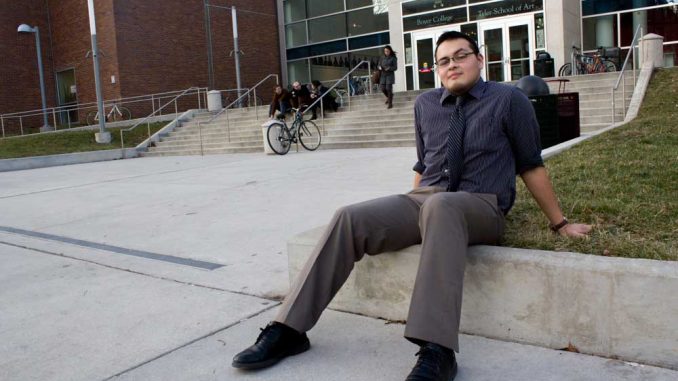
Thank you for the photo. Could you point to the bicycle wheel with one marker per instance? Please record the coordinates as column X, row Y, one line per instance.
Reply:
column 309, row 135
column 279, row 138
column 565, row 70
column 124, row 114
column 92, row 118
column 609, row 66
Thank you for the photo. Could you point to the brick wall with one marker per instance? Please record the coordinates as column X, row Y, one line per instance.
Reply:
column 19, row 78
column 150, row 46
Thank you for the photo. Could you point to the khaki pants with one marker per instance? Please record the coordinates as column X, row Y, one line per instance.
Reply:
column 445, row 223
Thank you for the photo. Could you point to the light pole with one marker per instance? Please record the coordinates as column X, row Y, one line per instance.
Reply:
column 24, row 28
column 103, row 136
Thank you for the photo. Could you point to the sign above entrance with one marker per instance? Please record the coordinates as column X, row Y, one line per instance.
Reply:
column 429, row 20
column 504, row 8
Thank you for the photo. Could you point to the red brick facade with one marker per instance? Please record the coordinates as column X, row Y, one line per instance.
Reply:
column 150, row 46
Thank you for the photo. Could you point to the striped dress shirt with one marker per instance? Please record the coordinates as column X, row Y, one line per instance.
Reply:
column 501, row 139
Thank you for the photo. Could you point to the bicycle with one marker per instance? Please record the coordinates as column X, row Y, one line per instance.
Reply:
column 116, row 114
column 280, row 137
column 588, row 64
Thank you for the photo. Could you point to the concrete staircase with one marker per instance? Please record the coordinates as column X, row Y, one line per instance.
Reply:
column 368, row 123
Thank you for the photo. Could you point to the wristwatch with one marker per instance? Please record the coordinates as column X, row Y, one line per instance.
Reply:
column 559, row 225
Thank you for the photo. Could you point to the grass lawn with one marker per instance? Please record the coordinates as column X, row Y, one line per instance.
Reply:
column 70, row 142
column 624, row 182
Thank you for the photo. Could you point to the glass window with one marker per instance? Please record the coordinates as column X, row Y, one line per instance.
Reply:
column 295, row 34
column 470, row 29
column 419, row 6
column 327, row 48
column 409, row 77
column 350, row 4
column 378, row 39
column 594, row 7
column 327, row 28
column 407, row 39
column 324, row 7
column 329, row 68
column 298, row 71
column 365, row 21
column 599, row 31
column 295, row 10
column 539, row 32
column 371, row 55
column 661, row 21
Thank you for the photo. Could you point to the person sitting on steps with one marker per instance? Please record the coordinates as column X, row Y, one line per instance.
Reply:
column 301, row 97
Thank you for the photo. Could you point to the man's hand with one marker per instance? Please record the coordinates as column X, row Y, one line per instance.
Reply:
column 575, row 230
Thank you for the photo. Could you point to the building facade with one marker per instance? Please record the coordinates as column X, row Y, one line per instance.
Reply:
column 323, row 39
column 146, row 47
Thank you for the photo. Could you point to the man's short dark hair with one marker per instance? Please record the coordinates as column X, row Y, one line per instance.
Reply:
column 454, row 35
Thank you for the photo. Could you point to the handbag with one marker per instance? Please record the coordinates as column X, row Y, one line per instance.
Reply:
column 376, row 76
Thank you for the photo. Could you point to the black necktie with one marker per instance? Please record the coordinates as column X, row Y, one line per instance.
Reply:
column 455, row 145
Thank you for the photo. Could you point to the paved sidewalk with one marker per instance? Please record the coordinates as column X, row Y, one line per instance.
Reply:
column 164, row 268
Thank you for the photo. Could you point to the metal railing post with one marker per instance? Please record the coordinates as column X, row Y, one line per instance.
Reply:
column 613, row 107
column 228, row 125
column 21, row 126
column 68, row 118
column 199, row 105
column 256, row 110
column 348, row 93
column 369, row 77
column 54, row 118
column 153, row 103
column 2, row 123
column 122, row 143
column 322, row 116
column 176, row 108
column 202, row 152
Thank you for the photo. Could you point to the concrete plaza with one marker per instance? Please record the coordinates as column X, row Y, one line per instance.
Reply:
column 164, row 268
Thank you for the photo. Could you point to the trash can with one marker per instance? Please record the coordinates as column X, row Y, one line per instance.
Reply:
column 558, row 117
column 214, row 100
column 544, row 66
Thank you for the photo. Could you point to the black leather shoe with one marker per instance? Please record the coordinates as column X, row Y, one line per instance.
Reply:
column 435, row 363
column 275, row 342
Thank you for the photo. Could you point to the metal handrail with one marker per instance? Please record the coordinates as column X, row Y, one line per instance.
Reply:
column 346, row 76
column 631, row 53
column 253, row 90
column 147, row 119
column 156, row 100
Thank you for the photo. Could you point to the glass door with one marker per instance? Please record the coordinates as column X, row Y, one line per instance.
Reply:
column 424, row 77
column 424, row 44
column 507, row 46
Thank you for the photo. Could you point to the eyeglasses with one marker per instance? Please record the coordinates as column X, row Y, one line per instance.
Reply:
column 458, row 58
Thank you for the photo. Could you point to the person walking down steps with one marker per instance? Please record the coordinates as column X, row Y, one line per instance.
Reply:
column 387, row 65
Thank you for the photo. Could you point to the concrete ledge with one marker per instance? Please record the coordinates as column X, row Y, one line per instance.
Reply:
column 65, row 159
column 611, row 307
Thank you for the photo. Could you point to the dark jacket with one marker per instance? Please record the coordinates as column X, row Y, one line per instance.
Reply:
column 284, row 96
column 300, row 97
column 328, row 100
column 388, row 64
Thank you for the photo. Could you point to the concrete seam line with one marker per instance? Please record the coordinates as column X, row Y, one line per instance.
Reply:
column 115, row 249
column 134, row 271
column 192, row 342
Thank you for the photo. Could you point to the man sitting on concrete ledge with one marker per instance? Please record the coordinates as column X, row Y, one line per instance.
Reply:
column 472, row 138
